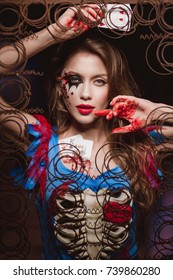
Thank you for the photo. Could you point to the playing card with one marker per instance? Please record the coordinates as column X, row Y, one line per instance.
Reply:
column 76, row 143
column 118, row 16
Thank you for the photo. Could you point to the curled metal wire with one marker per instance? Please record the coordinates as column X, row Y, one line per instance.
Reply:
column 158, row 20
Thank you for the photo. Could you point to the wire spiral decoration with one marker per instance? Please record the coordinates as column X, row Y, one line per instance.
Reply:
column 73, row 212
column 41, row 20
column 10, row 11
column 14, row 234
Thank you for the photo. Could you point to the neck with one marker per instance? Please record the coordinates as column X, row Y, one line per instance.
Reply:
column 94, row 132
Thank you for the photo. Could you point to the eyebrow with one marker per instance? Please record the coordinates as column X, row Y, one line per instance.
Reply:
column 95, row 76
column 100, row 75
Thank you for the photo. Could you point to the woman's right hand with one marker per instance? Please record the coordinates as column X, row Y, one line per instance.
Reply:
column 76, row 20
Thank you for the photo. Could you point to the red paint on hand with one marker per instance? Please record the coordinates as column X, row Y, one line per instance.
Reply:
column 102, row 113
column 125, row 108
column 134, row 126
column 68, row 22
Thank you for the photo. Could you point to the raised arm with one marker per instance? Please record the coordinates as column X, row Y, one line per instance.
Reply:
column 69, row 25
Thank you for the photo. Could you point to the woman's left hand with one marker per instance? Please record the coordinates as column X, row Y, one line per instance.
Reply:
column 135, row 110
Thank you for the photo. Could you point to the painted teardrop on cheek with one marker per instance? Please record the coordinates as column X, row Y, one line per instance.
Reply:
column 74, row 81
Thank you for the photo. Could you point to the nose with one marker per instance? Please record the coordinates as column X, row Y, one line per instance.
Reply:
column 86, row 92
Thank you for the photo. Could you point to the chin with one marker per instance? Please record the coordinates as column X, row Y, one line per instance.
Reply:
column 87, row 120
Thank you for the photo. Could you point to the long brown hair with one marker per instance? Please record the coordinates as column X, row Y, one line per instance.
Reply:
column 132, row 150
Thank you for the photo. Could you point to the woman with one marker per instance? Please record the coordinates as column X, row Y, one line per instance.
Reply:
column 92, row 173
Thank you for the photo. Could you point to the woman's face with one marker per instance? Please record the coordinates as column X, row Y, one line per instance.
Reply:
column 85, row 86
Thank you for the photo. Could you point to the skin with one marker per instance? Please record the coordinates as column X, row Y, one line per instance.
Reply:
column 140, row 113
column 85, row 85
column 73, row 22
column 133, row 109
column 70, row 25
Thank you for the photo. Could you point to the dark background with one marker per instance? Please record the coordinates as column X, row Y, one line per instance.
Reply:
column 19, row 226
column 155, row 82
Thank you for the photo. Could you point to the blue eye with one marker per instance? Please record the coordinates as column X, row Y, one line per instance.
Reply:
column 100, row 82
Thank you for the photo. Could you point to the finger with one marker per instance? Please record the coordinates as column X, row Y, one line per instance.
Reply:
column 122, row 98
column 120, row 110
column 125, row 110
column 85, row 27
column 124, row 129
column 102, row 113
column 99, row 9
column 87, row 16
column 90, row 14
column 68, row 17
column 71, row 23
column 112, row 103
column 70, row 13
column 80, row 27
column 117, row 99
column 134, row 126
column 110, row 115
column 95, row 13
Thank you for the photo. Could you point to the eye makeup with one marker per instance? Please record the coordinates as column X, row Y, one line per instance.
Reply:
column 68, row 80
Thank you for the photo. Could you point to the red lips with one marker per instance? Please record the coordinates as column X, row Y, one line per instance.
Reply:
column 85, row 109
